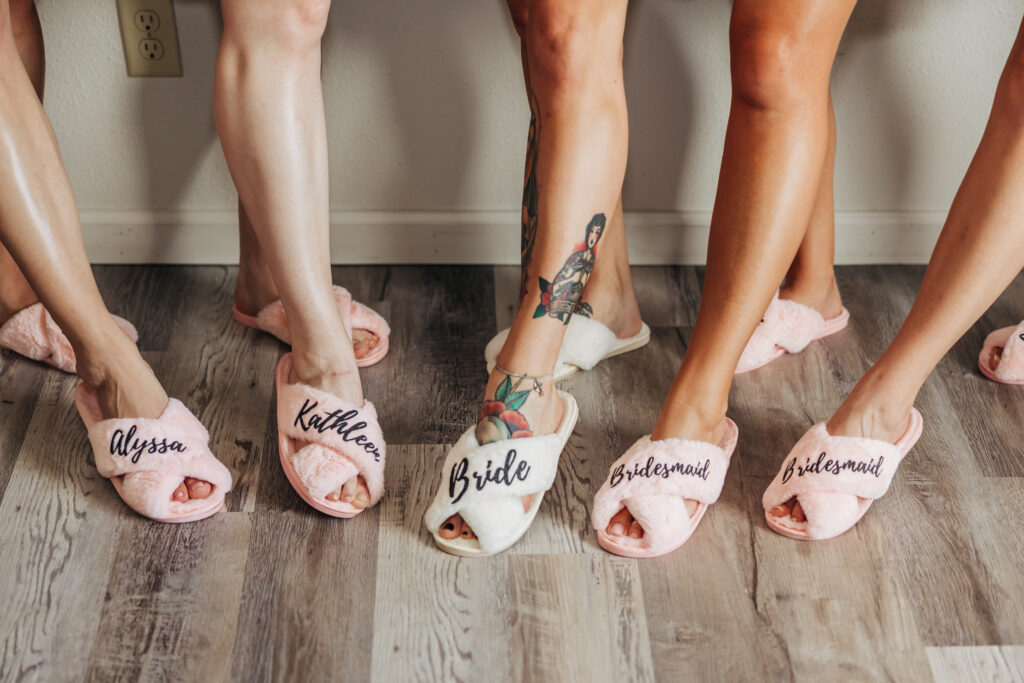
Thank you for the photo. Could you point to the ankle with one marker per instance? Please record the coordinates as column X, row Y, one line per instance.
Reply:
column 254, row 287
column 517, row 406
column 818, row 291
column 875, row 408
column 683, row 420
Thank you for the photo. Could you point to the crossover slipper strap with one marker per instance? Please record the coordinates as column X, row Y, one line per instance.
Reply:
column 786, row 324
column 153, row 456
column 653, row 478
column 484, row 484
column 822, row 463
column 343, row 439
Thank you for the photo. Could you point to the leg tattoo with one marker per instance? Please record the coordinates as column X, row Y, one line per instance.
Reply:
column 560, row 297
column 500, row 419
column 529, row 201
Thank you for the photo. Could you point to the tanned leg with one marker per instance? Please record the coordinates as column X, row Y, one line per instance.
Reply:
column 39, row 225
column 776, row 149
column 811, row 277
column 573, row 64
column 15, row 291
column 980, row 251
column 268, row 105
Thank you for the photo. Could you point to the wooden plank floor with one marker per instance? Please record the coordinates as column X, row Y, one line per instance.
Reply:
column 929, row 586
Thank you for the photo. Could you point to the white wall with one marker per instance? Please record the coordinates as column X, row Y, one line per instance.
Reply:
column 427, row 125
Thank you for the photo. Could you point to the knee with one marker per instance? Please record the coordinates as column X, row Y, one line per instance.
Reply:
column 767, row 70
column 289, row 26
column 566, row 48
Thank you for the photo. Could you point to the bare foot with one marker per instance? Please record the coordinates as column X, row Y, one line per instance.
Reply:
column 612, row 304
column 995, row 356
column 15, row 293
column 508, row 413
column 678, row 423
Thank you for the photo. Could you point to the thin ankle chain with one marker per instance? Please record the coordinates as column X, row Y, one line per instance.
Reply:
column 536, row 379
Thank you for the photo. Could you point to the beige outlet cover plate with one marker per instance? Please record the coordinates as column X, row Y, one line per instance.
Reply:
column 150, row 37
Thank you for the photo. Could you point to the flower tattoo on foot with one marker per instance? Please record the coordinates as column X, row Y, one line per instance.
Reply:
column 500, row 419
column 560, row 297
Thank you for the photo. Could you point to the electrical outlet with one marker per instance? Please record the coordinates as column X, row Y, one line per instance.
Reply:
column 150, row 36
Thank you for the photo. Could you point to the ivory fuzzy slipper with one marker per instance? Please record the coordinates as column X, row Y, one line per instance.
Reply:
column 273, row 320
column 1010, row 343
column 787, row 327
column 586, row 343
column 835, row 479
column 323, row 441
column 32, row 333
column 652, row 480
column 146, row 459
column 485, row 484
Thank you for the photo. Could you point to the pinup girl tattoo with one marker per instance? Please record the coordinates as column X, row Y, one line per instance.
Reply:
column 560, row 297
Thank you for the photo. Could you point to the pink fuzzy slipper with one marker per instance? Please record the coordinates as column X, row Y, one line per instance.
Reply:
column 273, row 320
column 32, row 333
column 146, row 459
column 324, row 441
column 652, row 479
column 787, row 327
column 1010, row 369
column 835, row 479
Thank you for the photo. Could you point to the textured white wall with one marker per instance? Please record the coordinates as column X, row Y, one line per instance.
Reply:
column 426, row 114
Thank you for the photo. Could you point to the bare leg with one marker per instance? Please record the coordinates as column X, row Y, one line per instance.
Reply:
column 573, row 65
column 980, row 251
column 811, row 277
column 776, row 148
column 269, row 110
column 15, row 292
column 39, row 224
column 255, row 287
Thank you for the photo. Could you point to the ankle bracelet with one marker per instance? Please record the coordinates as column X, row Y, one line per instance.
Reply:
column 536, row 379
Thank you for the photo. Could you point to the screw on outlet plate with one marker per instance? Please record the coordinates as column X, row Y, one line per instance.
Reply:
column 152, row 49
column 147, row 21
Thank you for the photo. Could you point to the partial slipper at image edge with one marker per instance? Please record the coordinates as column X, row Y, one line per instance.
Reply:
column 471, row 547
column 996, row 338
column 915, row 427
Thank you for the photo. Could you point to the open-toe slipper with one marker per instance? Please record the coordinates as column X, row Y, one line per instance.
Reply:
column 1010, row 369
column 147, row 459
column 273, row 320
column 835, row 479
column 485, row 485
column 586, row 343
column 324, row 441
column 32, row 333
column 652, row 480
column 787, row 327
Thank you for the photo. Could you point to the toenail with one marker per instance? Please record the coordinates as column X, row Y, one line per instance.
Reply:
column 617, row 529
column 449, row 527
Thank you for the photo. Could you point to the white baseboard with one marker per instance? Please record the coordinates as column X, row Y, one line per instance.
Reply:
column 473, row 237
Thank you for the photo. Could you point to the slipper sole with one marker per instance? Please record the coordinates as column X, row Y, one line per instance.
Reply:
column 832, row 325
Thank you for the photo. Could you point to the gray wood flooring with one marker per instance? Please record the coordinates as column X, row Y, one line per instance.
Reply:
column 929, row 586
